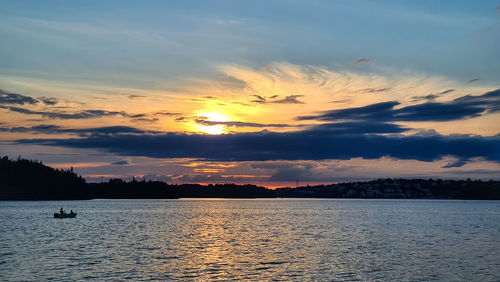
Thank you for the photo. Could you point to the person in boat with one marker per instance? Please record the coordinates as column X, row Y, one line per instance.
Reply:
column 61, row 211
column 71, row 212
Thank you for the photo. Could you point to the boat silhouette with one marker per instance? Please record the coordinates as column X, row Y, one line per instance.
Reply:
column 65, row 215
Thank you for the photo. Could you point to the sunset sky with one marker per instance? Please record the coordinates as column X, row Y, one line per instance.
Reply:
column 262, row 92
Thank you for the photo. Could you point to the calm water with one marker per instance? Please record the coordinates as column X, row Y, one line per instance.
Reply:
column 283, row 239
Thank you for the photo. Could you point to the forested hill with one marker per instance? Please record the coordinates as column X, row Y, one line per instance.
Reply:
column 31, row 180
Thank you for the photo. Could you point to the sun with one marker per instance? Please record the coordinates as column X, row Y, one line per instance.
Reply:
column 212, row 117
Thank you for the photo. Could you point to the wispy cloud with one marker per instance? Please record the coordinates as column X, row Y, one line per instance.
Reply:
column 457, row 163
column 135, row 96
column 85, row 114
column 123, row 162
column 55, row 129
column 14, row 98
column 457, row 109
column 375, row 90
column 50, row 101
column 430, row 97
column 291, row 99
column 362, row 61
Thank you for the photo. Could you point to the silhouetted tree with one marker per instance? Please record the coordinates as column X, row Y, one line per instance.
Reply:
column 31, row 180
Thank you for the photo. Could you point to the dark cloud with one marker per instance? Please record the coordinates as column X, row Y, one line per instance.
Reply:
column 447, row 91
column 292, row 174
column 16, row 99
column 339, row 101
column 182, row 119
column 138, row 116
column 167, row 114
column 361, row 61
column 259, row 99
column 136, row 96
column 288, row 171
column 149, row 120
column 459, row 108
column 310, row 144
column 292, row 99
column 374, row 90
column 473, row 80
column 360, row 127
column 458, row 163
column 49, row 101
column 378, row 111
column 110, row 130
column 54, row 129
column 431, row 97
column 86, row 114
column 124, row 162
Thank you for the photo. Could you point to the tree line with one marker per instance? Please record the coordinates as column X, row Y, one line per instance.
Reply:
column 22, row 179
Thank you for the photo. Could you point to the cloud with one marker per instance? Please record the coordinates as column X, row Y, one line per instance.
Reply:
column 291, row 174
column 311, row 144
column 375, row 90
column 362, row 61
column 360, row 127
column 136, row 96
column 203, row 121
column 292, row 99
column 266, row 68
column 164, row 113
column 472, row 80
column 458, row 163
column 289, row 171
column 425, row 97
column 147, row 120
column 50, row 101
column 54, row 129
column 459, row 108
column 124, row 162
column 260, row 99
column 430, row 97
column 182, row 119
column 17, row 99
column 85, row 114
column 447, row 91
column 137, row 116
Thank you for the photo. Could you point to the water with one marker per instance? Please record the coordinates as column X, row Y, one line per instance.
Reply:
column 280, row 239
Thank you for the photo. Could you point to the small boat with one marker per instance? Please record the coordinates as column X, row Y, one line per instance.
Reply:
column 64, row 215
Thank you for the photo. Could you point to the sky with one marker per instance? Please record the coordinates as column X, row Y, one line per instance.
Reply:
column 260, row 92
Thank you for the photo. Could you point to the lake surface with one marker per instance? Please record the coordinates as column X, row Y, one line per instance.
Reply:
column 254, row 239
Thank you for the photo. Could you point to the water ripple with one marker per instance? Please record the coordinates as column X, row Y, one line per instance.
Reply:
column 275, row 239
